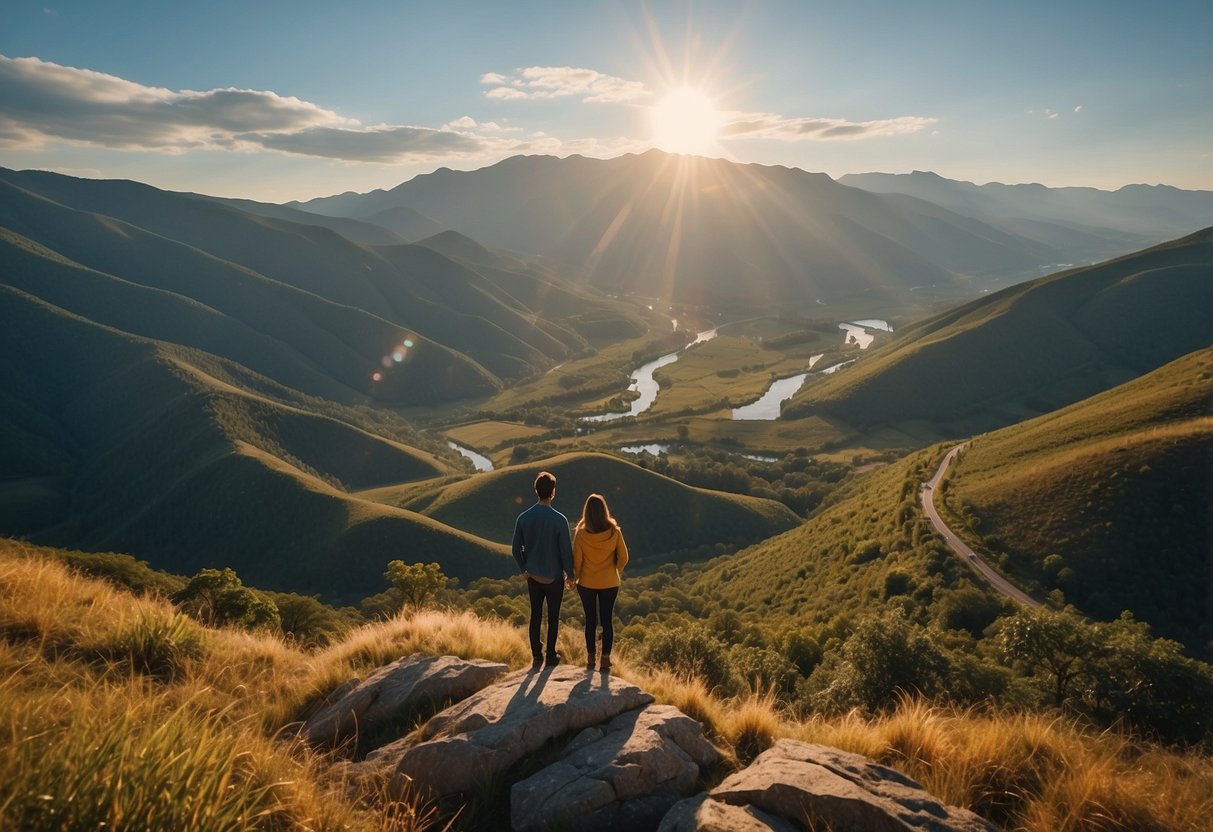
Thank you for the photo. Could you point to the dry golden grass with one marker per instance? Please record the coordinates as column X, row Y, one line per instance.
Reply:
column 86, row 737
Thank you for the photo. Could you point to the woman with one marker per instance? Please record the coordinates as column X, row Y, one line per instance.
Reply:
column 599, row 555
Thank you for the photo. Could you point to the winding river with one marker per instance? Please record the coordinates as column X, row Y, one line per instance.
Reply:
column 482, row 462
column 647, row 386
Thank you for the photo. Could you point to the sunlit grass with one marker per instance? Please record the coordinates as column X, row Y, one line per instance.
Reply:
column 90, row 737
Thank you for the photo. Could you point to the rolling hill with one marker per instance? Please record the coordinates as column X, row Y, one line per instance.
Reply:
column 111, row 441
column 1031, row 348
column 662, row 519
column 868, row 548
column 703, row 230
column 1109, row 499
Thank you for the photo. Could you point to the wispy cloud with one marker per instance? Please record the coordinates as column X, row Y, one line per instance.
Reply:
column 589, row 85
column 772, row 126
column 45, row 101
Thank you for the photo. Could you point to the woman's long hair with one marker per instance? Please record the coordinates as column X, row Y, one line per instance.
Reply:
column 595, row 516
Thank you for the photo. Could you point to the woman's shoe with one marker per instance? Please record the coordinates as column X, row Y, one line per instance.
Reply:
column 591, row 662
column 605, row 667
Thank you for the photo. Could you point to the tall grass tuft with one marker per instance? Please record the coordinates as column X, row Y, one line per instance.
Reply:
column 156, row 645
column 753, row 725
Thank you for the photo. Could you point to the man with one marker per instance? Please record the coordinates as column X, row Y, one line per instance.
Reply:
column 545, row 556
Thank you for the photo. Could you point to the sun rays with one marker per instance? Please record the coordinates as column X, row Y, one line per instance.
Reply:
column 686, row 121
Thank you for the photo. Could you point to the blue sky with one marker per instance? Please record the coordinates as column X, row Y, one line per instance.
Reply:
column 277, row 100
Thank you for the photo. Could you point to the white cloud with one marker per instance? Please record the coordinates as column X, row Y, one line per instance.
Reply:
column 1078, row 109
column 772, row 126
column 537, row 82
column 44, row 101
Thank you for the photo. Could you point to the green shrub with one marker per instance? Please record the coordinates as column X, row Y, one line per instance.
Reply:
column 691, row 651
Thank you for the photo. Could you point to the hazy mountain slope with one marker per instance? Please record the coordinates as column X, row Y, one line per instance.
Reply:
column 1031, row 348
column 707, row 229
column 407, row 224
column 662, row 518
column 290, row 335
column 413, row 288
column 140, row 450
column 1118, row 486
column 1146, row 213
column 357, row 230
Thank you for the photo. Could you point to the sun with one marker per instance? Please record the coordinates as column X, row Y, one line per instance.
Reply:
column 685, row 121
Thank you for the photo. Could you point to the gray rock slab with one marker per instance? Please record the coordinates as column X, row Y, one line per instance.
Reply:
column 702, row 814
column 406, row 683
column 479, row 739
column 622, row 775
column 802, row 782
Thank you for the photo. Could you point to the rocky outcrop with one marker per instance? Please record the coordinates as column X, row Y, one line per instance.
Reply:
column 624, row 775
column 478, row 739
column 378, row 700
column 801, row 783
column 618, row 762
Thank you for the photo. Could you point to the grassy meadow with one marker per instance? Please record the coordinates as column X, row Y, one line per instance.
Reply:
column 123, row 712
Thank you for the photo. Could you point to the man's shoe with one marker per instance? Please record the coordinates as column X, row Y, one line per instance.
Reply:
column 553, row 660
column 537, row 663
column 590, row 662
column 605, row 667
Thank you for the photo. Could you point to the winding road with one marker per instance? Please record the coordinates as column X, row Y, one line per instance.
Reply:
column 957, row 545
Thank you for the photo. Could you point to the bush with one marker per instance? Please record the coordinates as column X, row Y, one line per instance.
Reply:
column 691, row 651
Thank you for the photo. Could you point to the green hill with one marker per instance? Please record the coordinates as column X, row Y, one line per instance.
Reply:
column 115, row 442
column 1031, row 348
column 661, row 518
column 1109, row 499
column 869, row 547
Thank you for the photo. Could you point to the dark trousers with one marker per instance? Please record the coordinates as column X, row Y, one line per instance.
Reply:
column 552, row 593
column 599, row 604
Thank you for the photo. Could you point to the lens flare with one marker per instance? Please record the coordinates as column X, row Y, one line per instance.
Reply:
column 376, row 376
column 408, row 343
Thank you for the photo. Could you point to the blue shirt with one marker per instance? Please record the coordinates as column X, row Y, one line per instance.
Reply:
column 541, row 543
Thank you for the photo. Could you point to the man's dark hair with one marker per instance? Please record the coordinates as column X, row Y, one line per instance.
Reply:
column 545, row 485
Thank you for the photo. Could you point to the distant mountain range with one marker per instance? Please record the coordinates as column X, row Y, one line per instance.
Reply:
column 1142, row 211
column 751, row 236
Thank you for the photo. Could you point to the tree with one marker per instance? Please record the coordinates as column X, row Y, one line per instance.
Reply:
column 417, row 582
column 309, row 619
column 217, row 597
column 885, row 656
column 1149, row 683
column 1058, row 645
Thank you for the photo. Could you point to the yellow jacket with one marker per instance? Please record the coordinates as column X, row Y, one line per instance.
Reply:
column 599, row 557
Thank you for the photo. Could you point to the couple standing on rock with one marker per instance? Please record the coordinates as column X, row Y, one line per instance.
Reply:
column 550, row 563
